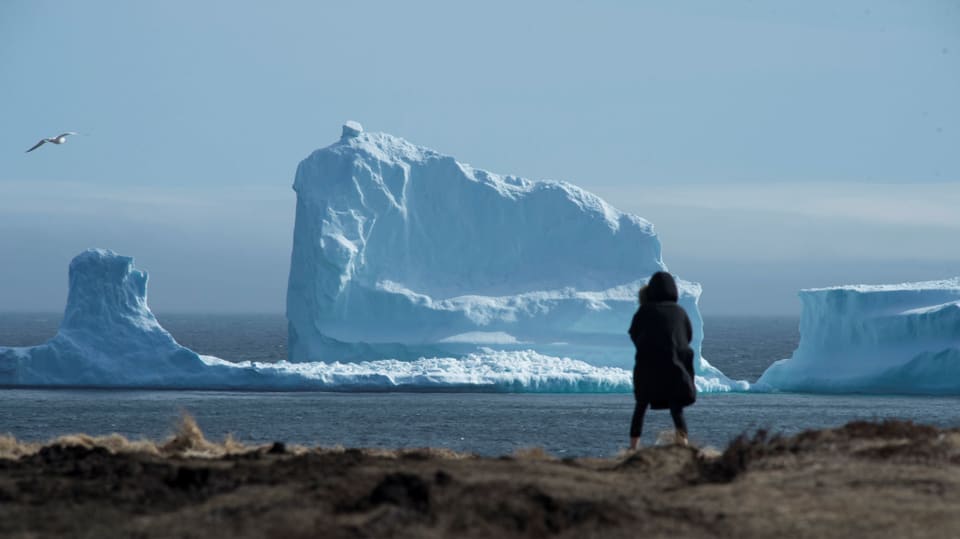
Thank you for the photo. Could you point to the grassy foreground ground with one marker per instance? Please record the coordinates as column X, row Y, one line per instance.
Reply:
column 891, row 479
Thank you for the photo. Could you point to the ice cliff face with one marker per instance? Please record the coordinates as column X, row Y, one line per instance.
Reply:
column 879, row 339
column 402, row 252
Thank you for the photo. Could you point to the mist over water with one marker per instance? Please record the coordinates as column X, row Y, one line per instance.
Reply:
column 741, row 346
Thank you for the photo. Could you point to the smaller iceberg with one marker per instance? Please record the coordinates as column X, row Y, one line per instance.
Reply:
column 110, row 338
column 875, row 339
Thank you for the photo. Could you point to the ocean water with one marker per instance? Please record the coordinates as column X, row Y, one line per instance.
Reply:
column 237, row 337
column 490, row 424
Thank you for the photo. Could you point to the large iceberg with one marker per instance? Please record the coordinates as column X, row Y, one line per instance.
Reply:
column 400, row 252
column 875, row 339
column 110, row 338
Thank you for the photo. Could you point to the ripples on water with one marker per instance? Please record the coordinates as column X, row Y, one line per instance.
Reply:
column 488, row 424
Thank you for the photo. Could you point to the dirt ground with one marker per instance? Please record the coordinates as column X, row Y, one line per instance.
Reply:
column 891, row 479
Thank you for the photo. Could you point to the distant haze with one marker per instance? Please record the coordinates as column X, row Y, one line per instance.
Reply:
column 775, row 146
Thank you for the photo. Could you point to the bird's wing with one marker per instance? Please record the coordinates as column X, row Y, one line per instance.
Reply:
column 67, row 134
column 37, row 145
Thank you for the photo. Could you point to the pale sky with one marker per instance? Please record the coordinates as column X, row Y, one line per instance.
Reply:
column 774, row 145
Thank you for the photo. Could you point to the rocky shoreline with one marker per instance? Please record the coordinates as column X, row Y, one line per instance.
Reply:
column 864, row 479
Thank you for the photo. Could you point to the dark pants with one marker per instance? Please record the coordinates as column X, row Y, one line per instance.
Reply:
column 636, row 425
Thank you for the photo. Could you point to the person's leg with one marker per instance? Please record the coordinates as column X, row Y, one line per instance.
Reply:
column 636, row 424
column 679, row 424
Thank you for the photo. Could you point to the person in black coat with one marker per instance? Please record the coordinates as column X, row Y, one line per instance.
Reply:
column 663, row 373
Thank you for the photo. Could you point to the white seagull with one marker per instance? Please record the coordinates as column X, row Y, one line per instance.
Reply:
column 59, row 139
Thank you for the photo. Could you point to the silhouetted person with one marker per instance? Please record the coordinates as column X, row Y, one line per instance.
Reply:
column 663, row 373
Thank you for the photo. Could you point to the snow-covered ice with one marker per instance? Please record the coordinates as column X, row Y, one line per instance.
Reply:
column 400, row 251
column 875, row 339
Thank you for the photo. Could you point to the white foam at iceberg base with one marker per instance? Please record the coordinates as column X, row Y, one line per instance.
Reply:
column 512, row 371
column 521, row 371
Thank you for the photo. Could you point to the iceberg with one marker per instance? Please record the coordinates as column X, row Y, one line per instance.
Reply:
column 901, row 338
column 401, row 252
column 110, row 338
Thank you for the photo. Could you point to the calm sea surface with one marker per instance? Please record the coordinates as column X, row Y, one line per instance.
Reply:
column 483, row 423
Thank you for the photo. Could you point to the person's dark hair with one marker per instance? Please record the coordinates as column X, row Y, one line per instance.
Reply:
column 661, row 287
column 642, row 295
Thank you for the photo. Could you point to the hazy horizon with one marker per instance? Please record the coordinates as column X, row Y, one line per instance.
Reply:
column 774, row 147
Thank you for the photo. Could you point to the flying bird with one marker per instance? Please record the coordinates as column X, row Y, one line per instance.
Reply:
column 59, row 139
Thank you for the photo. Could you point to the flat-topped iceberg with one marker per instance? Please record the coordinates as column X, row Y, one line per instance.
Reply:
column 400, row 252
column 875, row 339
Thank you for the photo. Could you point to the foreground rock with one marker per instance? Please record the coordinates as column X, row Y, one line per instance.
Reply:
column 866, row 479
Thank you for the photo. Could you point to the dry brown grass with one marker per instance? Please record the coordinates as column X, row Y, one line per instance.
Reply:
column 415, row 453
column 188, row 441
column 533, row 453
column 11, row 448
column 434, row 452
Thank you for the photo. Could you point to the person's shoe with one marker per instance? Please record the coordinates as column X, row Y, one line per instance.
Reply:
column 680, row 438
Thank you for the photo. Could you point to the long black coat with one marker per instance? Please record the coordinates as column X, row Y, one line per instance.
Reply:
column 661, row 332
